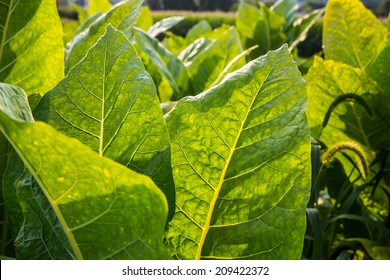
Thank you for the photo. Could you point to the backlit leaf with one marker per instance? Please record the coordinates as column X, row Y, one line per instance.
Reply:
column 327, row 80
column 106, row 210
column 31, row 47
column 122, row 16
column 352, row 33
column 241, row 164
column 109, row 102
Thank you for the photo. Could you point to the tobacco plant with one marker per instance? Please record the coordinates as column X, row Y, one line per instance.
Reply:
column 92, row 169
column 349, row 115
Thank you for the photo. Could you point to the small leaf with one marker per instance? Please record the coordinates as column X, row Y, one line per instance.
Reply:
column 241, row 165
column 167, row 65
column 163, row 25
column 206, row 66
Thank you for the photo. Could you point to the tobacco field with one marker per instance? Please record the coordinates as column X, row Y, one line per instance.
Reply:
column 127, row 141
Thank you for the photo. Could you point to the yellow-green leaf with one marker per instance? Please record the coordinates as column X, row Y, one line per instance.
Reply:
column 351, row 33
column 31, row 47
column 241, row 165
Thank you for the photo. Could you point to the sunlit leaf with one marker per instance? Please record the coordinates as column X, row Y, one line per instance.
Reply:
column 241, row 164
column 106, row 210
column 352, row 33
column 31, row 47
column 122, row 16
column 109, row 102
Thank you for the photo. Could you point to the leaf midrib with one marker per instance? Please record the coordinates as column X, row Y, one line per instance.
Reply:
column 101, row 149
column 3, row 37
column 207, row 226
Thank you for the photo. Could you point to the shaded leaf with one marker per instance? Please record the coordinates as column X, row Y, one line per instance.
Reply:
column 167, row 65
column 33, row 224
column 31, row 47
column 327, row 80
column 106, row 210
column 241, row 164
column 109, row 102
column 208, row 63
column 302, row 27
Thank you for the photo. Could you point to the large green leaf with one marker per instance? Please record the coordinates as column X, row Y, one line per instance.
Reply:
column 33, row 224
column 106, row 210
column 31, row 47
column 206, row 65
column 122, row 16
column 241, row 164
column 166, row 64
column 352, row 33
column 109, row 102
column 327, row 81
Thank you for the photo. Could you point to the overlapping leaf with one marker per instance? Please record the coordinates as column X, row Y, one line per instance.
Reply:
column 352, row 33
column 167, row 65
column 109, row 102
column 122, row 16
column 106, row 210
column 328, row 80
column 263, row 27
column 241, row 164
column 31, row 47
column 35, row 229
column 207, row 64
